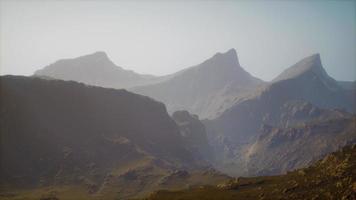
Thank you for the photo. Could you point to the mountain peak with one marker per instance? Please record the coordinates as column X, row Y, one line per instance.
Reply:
column 229, row 55
column 313, row 60
column 97, row 56
column 311, row 63
column 231, row 52
column 310, row 67
column 220, row 60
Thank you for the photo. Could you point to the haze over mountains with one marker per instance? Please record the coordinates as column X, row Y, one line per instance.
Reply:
column 59, row 132
column 300, row 94
column 206, row 89
column 305, row 81
column 220, row 78
column 237, row 104
column 95, row 69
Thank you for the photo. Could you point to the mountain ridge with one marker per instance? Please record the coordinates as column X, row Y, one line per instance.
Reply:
column 204, row 89
column 95, row 69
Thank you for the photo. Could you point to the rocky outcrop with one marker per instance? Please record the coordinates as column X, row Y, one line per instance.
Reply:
column 194, row 134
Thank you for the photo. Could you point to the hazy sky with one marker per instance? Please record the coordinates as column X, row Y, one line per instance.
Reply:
column 160, row 37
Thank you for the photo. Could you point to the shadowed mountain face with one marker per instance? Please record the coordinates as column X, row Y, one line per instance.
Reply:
column 63, row 133
column 95, row 69
column 206, row 89
column 194, row 134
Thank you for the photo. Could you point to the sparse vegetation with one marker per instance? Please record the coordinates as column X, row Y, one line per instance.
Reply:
column 333, row 177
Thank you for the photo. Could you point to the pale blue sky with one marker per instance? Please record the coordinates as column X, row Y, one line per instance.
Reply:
column 161, row 37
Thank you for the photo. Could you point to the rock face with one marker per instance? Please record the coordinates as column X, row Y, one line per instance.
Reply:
column 301, row 93
column 60, row 133
column 206, row 89
column 95, row 69
column 278, row 150
column 194, row 134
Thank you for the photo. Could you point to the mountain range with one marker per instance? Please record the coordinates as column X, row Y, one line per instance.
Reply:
column 95, row 69
column 234, row 105
column 72, row 123
column 206, row 89
column 301, row 93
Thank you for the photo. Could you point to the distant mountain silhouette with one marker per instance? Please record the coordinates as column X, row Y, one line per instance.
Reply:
column 95, row 69
column 206, row 89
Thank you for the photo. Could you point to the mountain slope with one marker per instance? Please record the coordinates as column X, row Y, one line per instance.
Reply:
column 95, row 69
column 279, row 150
column 304, row 81
column 206, row 89
column 303, row 92
column 309, row 80
column 334, row 177
column 112, row 143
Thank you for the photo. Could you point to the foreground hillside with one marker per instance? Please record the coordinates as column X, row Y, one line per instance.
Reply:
column 82, row 141
column 333, row 177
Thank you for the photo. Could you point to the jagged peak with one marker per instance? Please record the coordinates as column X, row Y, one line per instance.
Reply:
column 229, row 55
column 311, row 63
column 99, row 53
column 96, row 55
column 85, row 61
column 224, row 61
